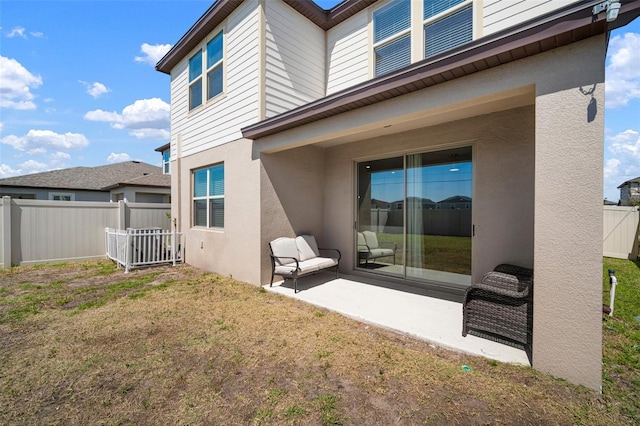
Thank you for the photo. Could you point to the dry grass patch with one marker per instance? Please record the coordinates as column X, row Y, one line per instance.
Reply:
column 173, row 345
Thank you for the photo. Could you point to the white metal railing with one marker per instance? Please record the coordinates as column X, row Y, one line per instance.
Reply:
column 133, row 248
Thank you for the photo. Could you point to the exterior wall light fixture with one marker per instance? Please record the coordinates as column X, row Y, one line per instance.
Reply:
column 612, row 7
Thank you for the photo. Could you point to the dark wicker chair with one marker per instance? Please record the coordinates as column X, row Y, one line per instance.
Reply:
column 500, row 307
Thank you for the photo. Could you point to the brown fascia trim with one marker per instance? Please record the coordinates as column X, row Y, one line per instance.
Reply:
column 327, row 19
column 556, row 29
column 221, row 9
column 163, row 147
column 213, row 17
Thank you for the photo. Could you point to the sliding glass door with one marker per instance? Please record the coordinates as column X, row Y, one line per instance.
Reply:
column 414, row 216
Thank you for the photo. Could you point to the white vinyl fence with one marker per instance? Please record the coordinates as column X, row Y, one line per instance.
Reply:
column 41, row 231
column 133, row 248
column 620, row 232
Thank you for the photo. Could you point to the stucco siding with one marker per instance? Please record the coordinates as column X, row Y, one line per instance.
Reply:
column 294, row 65
column 501, row 14
column 235, row 249
column 220, row 119
column 292, row 198
column 567, row 240
column 348, row 53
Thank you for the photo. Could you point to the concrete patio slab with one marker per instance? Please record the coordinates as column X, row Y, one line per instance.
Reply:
column 404, row 309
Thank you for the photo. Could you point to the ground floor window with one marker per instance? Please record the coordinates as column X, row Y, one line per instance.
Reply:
column 208, row 196
column 62, row 196
column 414, row 216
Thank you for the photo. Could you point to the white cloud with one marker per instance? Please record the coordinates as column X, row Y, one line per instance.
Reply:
column 625, row 161
column 33, row 166
column 7, row 171
column 95, row 89
column 38, row 140
column 623, row 70
column 152, row 53
column 17, row 32
column 145, row 118
column 118, row 158
column 16, row 83
column 57, row 159
column 37, row 34
column 150, row 134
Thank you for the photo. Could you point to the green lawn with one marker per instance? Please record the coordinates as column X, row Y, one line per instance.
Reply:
column 86, row 343
column 621, row 337
column 439, row 252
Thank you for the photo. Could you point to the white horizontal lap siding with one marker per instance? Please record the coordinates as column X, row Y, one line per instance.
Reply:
column 348, row 53
column 501, row 14
column 294, row 59
column 220, row 121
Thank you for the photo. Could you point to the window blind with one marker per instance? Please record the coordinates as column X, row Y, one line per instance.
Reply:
column 393, row 55
column 214, row 51
column 433, row 7
column 195, row 66
column 216, row 180
column 449, row 32
column 391, row 19
column 200, row 183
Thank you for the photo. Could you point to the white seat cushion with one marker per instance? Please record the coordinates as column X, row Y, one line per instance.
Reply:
column 371, row 239
column 285, row 247
column 318, row 263
column 381, row 252
column 307, row 247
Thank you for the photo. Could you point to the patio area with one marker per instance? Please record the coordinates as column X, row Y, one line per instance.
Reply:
column 408, row 310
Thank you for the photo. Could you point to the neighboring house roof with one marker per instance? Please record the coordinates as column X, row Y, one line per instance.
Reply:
column 630, row 181
column 456, row 199
column 152, row 180
column 100, row 178
column 559, row 28
column 163, row 147
column 221, row 9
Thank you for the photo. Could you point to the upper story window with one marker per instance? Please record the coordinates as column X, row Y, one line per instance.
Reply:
column 392, row 36
column 195, row 80
column 447, row 24
column 166, row 157
column 208, row 197
column 214, row 67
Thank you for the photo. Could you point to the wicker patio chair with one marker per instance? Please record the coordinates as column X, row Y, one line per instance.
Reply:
column 500, row 307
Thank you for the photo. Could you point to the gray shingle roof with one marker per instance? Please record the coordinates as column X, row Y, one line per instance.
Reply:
column 99, row 178
column 629, row 181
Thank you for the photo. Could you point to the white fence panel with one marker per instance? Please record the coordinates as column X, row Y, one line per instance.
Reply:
column 42, row 231
column 134, row 248
column 620, row 232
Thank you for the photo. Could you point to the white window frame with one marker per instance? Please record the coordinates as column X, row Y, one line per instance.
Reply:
column 195, row 81
column 207, row 197
column 59, row 196
column 214, row 66
column 442, row 15
column 166, row 162
column 389, row 39
column 205, row 72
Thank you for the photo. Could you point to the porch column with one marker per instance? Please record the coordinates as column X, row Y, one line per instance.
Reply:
column 569, row 131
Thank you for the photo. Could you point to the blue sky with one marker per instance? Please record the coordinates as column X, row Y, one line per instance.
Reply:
column 78, row 85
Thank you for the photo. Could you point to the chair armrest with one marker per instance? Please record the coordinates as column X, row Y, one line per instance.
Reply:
column 274, row 258
column 514, row 270
column 480, row 289
column 389, row 244
column 363, row 248
column 330, row 249
column 502, row 284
